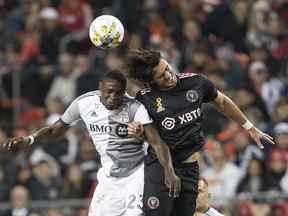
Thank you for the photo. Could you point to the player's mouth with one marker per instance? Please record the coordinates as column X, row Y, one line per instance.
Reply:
column 171, row 82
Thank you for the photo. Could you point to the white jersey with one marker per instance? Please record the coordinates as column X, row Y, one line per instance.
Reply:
column 212, row 212
column 120, row 154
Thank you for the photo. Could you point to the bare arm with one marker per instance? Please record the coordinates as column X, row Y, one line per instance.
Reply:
column 225, row 105
column 163, row 153
column 53, row 131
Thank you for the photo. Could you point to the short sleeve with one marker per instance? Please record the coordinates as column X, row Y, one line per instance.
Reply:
column 142, row 115
column 209, row 90
column 71, row 114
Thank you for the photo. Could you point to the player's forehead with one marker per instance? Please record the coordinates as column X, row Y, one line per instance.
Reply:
column 160, row 68
column 111, row 84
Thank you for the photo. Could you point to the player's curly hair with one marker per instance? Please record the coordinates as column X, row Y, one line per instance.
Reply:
column 117, row 76
column 140, row 64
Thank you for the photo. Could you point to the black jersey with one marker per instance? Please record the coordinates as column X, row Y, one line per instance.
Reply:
column 177, row 113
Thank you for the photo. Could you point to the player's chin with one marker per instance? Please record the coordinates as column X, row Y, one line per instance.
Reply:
column 112, row 106
column 168, row 85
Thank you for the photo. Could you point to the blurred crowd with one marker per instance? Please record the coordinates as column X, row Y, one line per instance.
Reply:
column 46, row 60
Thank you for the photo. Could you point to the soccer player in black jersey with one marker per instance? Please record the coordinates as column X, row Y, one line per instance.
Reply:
column 174, row 102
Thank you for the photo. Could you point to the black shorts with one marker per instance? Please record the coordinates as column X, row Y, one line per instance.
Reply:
column 156, row 201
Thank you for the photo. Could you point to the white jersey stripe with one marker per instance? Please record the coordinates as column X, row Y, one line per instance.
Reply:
column 212, row 212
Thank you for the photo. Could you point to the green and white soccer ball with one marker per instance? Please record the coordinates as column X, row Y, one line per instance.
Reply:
column 106, row 32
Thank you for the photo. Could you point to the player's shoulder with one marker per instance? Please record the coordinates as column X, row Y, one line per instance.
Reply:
column 144, row 91
column 182, row 76
column 131, row 100
column 191, row 78
column 88, row 95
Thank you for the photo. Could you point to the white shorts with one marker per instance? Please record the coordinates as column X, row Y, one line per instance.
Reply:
column 118, row 196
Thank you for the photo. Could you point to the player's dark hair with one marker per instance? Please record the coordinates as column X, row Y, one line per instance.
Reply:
column 115, row 75
column 140, row 64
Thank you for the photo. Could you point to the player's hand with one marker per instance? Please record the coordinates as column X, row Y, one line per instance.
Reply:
column 257, row 135
column 136, row 130
column 173, row 182
column 15, row 142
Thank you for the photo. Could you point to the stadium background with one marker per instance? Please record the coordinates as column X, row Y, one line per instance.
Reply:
column 46, row 61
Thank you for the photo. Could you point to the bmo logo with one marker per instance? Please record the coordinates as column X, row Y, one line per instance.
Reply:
column 168, row 123
column 100, row 129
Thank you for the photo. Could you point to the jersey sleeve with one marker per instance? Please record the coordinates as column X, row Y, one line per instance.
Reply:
column 209, row 90
column 71, row 114
column 142, row 115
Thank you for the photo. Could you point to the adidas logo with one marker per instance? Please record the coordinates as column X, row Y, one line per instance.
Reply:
column 93, row 114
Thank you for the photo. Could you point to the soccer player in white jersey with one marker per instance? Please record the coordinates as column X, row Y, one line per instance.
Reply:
column 107, row 114
column 203, row 207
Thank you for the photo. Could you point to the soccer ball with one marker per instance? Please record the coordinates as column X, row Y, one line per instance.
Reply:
column 106, row 31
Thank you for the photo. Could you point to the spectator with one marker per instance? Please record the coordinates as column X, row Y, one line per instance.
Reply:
column 75, row 184
column 262, row 54
column 281, row 110
column 54, row 212
column 229, row 67
column 50, row 35
column 234, row 23
column 89, row 160
column 245, row 151
column 284, row 182
column 4, row 190
column 67, row 145
column 276, row 169
column 55, row 107
column 43, row 185
column 88, row 79
column 75, row 15
column 24, row 175
column 19, row 202
column 201, row 59
column 281, row 138
column 64, row 86
column 255, row 180
column 192, row 36
column 219, row 175
column 269, row 88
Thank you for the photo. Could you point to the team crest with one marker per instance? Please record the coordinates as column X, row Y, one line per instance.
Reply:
column 159, row 105
column 123, row 116
column 192, row 96
column 153, row 202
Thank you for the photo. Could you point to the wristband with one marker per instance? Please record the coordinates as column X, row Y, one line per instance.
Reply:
column 247, row 125
column 31, row 139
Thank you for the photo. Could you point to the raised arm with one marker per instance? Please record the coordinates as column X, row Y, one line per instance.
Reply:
column 53, row 131
column 225, row 105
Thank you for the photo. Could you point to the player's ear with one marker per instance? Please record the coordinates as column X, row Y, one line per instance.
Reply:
column 101, row 85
